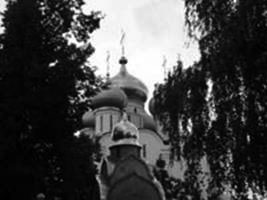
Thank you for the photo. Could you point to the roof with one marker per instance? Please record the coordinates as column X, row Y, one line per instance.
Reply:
column 130, row 84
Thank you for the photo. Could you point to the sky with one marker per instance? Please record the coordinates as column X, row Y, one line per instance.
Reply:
column 153, row 29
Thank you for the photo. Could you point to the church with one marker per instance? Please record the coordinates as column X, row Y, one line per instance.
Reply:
column 131, row 140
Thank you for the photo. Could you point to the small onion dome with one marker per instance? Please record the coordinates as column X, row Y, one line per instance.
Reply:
column 149, row 123
column 113, row 97
column 88, row 119
column 125, row 133
column 151, row 106
column 131, row 85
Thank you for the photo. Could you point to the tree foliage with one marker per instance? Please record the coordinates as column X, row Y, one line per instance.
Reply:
column 181, row 107
column 45, row 82
column 217, row 108
column 174, row 188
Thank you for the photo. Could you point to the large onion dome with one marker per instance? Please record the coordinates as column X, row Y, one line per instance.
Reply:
column 132, row 86
column 88, row 119
column 113, row 97
column 149, row 123
column 125, row 133
column 151, row 106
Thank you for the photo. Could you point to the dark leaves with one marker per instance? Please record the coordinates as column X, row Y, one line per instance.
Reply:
column 219, row 109
column 46, row 84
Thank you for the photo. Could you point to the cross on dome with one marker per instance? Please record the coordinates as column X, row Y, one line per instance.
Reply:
column 122, row 43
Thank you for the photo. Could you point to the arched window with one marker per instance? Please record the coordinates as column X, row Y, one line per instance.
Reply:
column 101, row 123
column 110, row 122
column 144, row 150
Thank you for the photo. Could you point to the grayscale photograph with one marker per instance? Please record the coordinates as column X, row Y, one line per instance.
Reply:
column 133, row 100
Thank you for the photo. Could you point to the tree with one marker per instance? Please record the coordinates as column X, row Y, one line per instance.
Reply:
column 174, row 188
column 230, row 99
column 45, row 82
column 233, row 49
column 181, row 108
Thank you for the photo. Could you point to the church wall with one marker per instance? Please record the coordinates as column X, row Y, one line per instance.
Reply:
column 135, row 110
column 106, row 117
column 152, row 145
column 155, row 147
column 105, row 142
column 135, row 119
column 134, row 106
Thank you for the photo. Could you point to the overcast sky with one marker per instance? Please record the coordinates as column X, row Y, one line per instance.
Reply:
column 153, row 28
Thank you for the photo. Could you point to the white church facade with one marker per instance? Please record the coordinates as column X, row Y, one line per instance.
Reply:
column 126, row 93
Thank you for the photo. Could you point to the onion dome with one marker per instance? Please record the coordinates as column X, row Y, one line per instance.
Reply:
column 113, row 97
column 149, row 123
column 125, row 133
column 151, row 106
column 132, row 86
column 88, row 119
